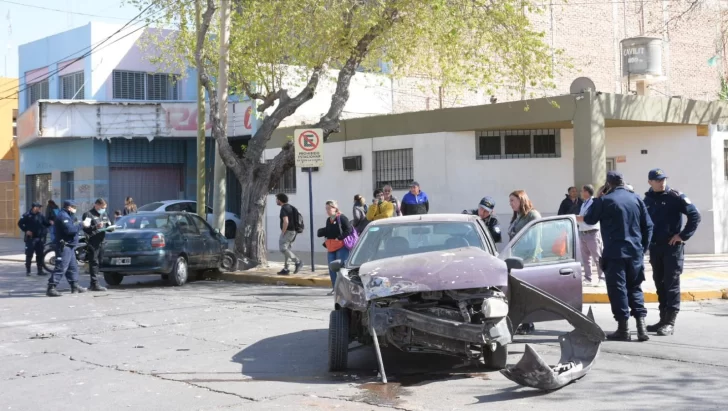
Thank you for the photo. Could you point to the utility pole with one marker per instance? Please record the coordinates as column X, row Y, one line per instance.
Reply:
column 201, row 203
column 222, row 94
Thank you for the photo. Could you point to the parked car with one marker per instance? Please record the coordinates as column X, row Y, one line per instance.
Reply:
column 436, row 283
column 232, row 221
column 179, row 246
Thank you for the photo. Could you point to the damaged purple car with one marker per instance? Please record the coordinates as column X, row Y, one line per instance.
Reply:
column 437, row 284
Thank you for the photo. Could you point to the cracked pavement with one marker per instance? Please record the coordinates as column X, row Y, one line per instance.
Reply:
column 222, row 346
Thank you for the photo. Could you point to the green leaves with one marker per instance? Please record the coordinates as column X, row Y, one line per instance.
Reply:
column 458, row 44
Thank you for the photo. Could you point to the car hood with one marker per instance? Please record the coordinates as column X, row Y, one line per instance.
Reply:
column 456, row 269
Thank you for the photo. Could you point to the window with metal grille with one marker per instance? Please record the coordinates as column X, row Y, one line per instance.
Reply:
column 518, row 144
column 71, row 86
column 287, row 183
column 162, row 87
column 128, row 85
column 37, row 91
column 725, row 158
column 393, row 167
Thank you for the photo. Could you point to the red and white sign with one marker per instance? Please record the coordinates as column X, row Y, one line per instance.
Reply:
column 309, row 147
column 180, row 119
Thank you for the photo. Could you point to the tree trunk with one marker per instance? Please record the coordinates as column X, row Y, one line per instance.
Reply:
column 250, row 240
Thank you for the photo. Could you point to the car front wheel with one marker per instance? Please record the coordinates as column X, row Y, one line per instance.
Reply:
column 113, row 278
column 338, row 340
column 179, row 273
column 496, row 360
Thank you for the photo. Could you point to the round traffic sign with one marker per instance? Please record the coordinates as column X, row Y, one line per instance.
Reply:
column 308, row 140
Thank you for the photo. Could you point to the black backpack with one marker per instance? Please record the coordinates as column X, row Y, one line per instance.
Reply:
column 298, row 224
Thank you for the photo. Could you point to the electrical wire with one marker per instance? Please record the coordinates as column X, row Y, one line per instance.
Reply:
column 59, row 10
column 86, row 54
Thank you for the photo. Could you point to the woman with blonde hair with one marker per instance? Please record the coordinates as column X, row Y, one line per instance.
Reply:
column 129, row 206
column 337, row 229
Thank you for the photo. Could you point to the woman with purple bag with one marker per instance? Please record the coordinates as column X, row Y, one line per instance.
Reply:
column 340, row 236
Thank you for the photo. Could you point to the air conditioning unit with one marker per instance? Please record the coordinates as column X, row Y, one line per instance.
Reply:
column 352, row 163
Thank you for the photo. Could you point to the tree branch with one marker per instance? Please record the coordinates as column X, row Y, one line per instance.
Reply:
column 218, row 132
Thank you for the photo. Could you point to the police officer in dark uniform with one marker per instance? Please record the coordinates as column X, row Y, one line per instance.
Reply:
column 67, row 228
column 626, row 232
column 99, row 220
column 666, row 207
column 485, row 212
column 35, row 228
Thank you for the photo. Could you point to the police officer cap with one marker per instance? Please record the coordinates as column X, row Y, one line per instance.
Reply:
column 657, row 174
column 69, row 203
column 36, row 204
column 487, row 203
column 615, row 177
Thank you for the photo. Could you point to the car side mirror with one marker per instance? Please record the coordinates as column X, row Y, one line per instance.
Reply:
column 514, row 263
column 335, row 266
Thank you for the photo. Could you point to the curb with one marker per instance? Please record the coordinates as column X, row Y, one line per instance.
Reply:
column 321, row 281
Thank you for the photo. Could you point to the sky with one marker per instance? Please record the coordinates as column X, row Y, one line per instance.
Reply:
column 31, row 20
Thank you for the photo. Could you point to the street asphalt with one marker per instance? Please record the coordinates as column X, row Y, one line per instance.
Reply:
column 215, row 345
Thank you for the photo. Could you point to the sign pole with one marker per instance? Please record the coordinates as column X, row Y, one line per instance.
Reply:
column 309, row 154
column 310, row 215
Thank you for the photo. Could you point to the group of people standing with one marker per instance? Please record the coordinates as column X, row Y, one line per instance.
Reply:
column 65, row 229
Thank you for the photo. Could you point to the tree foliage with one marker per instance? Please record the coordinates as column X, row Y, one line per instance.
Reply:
column 284, row 45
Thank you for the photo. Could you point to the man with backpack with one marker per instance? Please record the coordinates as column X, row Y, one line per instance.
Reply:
column 291, row 225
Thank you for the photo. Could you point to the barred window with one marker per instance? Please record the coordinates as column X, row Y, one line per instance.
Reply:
column 134, row 85
column 518, row 144
column 393, row 167
column 37, row 91
column 287, row 183
column 72, row 86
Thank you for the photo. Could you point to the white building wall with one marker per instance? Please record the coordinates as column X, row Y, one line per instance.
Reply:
column 446, row 167
column 685, row 157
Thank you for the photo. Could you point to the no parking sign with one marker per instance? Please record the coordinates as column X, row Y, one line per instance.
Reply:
column 309, row 147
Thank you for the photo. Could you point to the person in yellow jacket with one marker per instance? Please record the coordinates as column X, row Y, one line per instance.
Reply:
column 380, row 208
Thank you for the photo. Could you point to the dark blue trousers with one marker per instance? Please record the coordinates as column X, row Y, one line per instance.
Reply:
column 667, row 265
column 66, row 265
column 34, row 246
column 624, row 277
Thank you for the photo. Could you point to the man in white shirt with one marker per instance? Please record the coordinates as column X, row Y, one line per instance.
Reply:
column 591, row 238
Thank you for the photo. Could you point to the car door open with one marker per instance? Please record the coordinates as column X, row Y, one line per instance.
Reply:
column 550, row 251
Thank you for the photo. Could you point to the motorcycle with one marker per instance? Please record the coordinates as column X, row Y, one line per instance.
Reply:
column 48, row 261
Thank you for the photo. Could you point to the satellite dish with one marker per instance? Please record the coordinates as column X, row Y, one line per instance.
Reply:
column 581, row 84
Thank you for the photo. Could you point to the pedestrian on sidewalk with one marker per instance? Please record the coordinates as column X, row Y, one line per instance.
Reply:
column 34, row 226
column 336, row 230
column 98, row 223
column 359, row 214
column 416, row 201
column 288, row 234
column 380, row 207
column 67, row 229
column 627, row 231
column 389, row 196
column 667, row 248
column 572, row 203
column 590, row 238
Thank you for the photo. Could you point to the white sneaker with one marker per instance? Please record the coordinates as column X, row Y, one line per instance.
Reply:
column 586, row 283
column 601, row 283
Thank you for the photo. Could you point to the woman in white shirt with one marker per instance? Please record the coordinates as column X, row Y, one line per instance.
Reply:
column 591, row 239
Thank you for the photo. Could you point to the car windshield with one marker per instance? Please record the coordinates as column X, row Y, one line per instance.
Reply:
column 141, row 222
column 150, row 207
column 393, row 240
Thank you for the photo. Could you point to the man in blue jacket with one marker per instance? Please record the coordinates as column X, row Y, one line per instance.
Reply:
column 415, row 202
column 67, row 229
column 667, row 249
column 626, row 230
column 35, row 228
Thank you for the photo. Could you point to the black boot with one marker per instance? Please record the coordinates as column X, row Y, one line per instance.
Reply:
column 40, row 271
column 27, row 271
column 654, row 327
column 52, row 292
column 622, row 333
column 75, row 288
column 668, row 328
column 95, row 286
column 642, row 329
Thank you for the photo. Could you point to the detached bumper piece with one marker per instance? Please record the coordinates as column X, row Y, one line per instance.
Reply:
column 579, row 348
